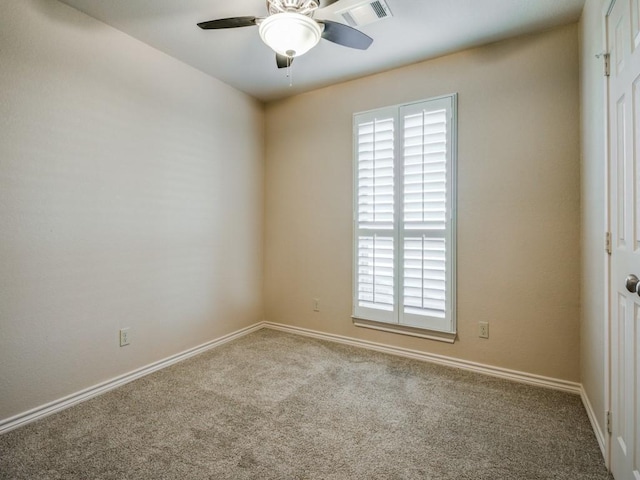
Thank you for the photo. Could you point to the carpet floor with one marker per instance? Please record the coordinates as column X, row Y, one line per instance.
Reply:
column 278, row 406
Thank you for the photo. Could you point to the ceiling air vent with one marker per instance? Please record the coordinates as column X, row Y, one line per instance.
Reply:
column 366, row 12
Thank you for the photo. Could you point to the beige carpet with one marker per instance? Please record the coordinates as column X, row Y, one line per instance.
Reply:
column 279, row 406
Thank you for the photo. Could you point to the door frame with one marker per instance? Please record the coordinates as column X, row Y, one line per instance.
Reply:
column 606, row 11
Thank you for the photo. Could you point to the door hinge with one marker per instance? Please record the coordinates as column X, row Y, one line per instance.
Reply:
column 606, row 57
column 609, row 422
column 607, row 242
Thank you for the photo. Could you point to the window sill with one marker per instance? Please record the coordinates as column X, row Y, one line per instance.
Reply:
column 405, row 330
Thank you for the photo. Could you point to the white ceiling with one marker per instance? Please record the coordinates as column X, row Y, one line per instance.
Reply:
column 418, row 30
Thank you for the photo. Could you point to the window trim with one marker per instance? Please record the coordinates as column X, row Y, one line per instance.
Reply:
column 447, row 337
column 371, row 318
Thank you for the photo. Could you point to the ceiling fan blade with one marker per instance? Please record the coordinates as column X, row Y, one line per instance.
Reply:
column 326, row 3
column 283, row 61
column 345, row 35
column 232, row 22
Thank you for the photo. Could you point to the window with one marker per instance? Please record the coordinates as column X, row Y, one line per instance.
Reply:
column 404, row 217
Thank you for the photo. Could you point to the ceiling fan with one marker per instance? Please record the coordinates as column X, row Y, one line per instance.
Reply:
column 290, row 29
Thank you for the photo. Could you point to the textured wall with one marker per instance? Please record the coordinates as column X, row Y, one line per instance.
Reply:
column 594, row 259
column 518, row 199
column 131, row 191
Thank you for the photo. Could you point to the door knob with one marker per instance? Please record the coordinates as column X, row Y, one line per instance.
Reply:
column 632, row 283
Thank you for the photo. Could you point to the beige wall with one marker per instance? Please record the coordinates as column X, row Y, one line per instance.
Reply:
column 131, row 190
column 594, row 259
column 518, row 191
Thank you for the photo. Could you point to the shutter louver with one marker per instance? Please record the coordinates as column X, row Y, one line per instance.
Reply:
column 425, row 276
column 425, row 170
column 375, row 174
column 375, row 272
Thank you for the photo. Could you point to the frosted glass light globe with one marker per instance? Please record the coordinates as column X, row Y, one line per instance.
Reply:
column 290, row 34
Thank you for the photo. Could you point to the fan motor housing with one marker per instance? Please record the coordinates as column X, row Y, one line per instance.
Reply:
column 303, row 7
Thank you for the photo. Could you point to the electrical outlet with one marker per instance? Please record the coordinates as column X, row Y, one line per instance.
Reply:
column 316, row 304
column 483, row 329
column 125, row 337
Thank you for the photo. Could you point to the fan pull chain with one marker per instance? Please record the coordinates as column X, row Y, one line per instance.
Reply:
column 289, row 71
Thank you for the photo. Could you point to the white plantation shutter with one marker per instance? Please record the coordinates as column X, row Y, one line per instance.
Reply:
column 404, row 206
column 426, row 213
column 375, row 295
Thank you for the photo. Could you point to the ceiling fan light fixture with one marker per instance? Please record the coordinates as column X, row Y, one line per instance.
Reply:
column 289, row 33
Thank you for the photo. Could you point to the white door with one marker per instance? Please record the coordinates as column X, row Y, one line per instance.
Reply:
column 623, row 27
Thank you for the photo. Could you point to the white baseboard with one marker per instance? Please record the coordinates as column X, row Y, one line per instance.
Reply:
column 499, row 372
column 75, row 398
column 594, row 421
